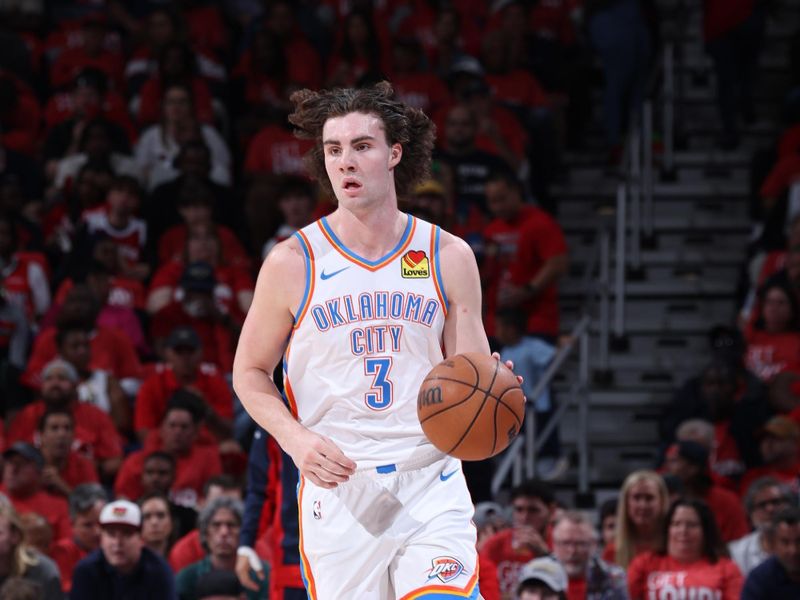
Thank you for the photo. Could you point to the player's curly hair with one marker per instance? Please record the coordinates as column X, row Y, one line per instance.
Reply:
column 407, row 126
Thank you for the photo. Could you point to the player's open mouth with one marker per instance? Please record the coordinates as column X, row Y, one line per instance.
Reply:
column 351, row 184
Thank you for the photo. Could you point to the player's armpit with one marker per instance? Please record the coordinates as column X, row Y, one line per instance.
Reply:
column 463, row 329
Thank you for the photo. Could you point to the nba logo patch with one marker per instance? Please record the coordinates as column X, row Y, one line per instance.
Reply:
column 414, row 265
column 446, row 568
column 317, row 510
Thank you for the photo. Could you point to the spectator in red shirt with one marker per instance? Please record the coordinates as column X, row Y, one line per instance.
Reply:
column 773, row 342
column 177, row 64
column 780, row 452
column 22, row 273
column 97, row 387
column 688, row 461
column 85, row 503
column 303, row 63
column 233, row 292
column 360, row 56
column 64, row 467
column 640, row 517
column 539, row 262
column 532, row 504
column 92, row 52
column 413, row 85
column 22, row 483
column 198, row 310
column 177, row 436
column 183, row 368
column 158, row 475
column 692, row 563
column 95, row 434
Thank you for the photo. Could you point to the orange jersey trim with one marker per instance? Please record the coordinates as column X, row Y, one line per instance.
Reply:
column 311, row 586
column 464, row 592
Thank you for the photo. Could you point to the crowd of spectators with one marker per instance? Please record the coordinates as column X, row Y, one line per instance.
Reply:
column 147, row 167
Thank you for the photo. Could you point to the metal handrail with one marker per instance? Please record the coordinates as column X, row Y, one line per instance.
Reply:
column 511, row 459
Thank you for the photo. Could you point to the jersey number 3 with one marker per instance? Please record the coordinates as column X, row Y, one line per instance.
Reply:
column 380, row 396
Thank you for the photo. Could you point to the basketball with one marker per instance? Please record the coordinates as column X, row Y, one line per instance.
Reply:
column 471, row 406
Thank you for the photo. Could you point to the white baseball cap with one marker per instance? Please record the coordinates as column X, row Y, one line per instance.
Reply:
column 547, row 570
column 121, row 512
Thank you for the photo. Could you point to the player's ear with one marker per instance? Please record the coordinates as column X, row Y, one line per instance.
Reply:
column 395, row 154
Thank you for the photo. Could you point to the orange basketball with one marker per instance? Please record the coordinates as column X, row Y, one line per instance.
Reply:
column 471, row 406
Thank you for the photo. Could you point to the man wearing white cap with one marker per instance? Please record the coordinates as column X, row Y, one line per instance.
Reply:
column 542, row 579
column 122, row 568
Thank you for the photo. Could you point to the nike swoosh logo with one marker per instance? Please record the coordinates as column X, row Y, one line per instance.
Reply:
column 325, row 275
column 444, row 477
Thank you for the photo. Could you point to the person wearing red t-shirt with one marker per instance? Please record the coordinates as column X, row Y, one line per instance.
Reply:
column 23, row 485
column 694, row 563
column 303, row 64
column 110, row 349
column 780, row 451
column 275, row 150
column 95, row 434
column 177, row 436
column 93, row 53
column 85, row 503
column 195, row 205
column 502, row 239
column 197, row 309
column 689, row 463
column 183, row 368
column 24, row 279
column 532, row 503
column 233, row 292
column 64, row 467
column 412, row 85
column 539, row 260
column 773, row 342
column 575, row 546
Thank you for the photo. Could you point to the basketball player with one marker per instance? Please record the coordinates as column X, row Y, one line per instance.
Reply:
column 361, row 305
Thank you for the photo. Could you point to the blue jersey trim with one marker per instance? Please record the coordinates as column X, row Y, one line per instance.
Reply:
column 437, row 269
column 307, row 288
column 356, row 257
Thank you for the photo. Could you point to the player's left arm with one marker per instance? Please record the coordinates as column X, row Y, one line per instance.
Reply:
column 463, row 327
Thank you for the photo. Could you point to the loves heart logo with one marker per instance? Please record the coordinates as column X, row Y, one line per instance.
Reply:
column 414, row 265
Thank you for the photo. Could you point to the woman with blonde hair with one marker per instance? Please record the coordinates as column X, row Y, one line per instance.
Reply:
column 19, row 560
column 643, row 503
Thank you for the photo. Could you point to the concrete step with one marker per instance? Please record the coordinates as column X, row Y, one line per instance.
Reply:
column 682, row 256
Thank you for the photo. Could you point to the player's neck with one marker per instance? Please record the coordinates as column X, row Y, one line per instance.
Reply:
column 369, row 233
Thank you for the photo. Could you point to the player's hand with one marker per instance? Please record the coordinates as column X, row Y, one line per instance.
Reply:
column 247, row 560
column 509, row 364
column 320, row 459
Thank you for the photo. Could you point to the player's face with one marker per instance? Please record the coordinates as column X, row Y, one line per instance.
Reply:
column 358, row 159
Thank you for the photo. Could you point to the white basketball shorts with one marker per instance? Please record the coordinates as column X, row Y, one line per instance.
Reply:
column 390, row 534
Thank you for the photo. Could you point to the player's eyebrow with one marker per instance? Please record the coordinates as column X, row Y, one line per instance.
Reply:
column 360, row 138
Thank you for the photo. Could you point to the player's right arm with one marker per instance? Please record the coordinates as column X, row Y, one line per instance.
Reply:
column 266, row 329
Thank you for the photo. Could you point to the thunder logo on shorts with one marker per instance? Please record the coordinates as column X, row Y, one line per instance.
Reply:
column 446, row 568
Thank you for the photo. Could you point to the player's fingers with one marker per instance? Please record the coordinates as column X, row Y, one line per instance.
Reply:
column 318, row 481
column 243, row 573
column 332, row 452
column 334, row 468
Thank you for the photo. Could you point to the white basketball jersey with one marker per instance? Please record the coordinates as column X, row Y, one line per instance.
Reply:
column 366, row 334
